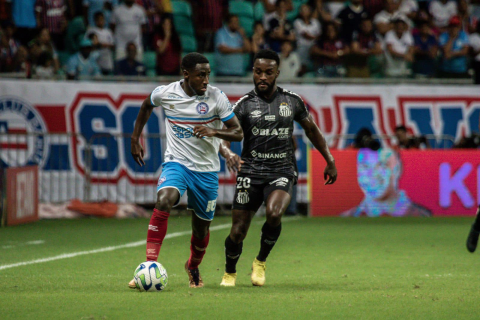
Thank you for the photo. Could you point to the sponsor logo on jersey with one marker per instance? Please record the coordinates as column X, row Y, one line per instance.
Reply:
column 173, row 97
column 285, row 110
column 280, row 182
column 183, row 133
column 203, row 98
column 281, row 133
column 270, row 118
column 20, row 121
column 268, row 155
column 242, row 197
column 255, row 114
column 202, row 108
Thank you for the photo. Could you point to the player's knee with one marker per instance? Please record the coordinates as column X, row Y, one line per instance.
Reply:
column 238, row 232
column 164, row 202
column 274, row 211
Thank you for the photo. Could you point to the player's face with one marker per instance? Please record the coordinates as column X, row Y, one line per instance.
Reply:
column 198, row 78
column 265, row 73
column 377, row 173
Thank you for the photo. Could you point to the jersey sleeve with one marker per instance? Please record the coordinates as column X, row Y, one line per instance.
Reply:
column 239, row 108
column 301, row 111
column 157, row 95
column 224, row 107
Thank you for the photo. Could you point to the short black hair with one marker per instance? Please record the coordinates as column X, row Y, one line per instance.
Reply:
column 192, row 59
column 229, row 17
column 98, row 14
column 267, row 54
column 401, row 128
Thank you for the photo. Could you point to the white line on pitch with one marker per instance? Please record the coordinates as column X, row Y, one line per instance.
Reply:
column 112, row 248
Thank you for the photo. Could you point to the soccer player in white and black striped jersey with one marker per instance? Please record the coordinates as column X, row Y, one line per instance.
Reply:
column 267, row 168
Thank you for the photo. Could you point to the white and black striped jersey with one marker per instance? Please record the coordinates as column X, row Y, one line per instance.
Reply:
column 267, row 128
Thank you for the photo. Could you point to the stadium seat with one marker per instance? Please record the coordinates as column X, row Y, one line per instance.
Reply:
column 259, row 11
column 183, row 25
column 150, row 60
column 211, row 58
column 241, row 8
column 63, row 57
column 74, row 34
column 181, row 8
column 247, row 25
column 189, row 43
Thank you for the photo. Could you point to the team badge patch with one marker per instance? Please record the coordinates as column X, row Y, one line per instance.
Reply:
column 160, row 181
column 285, row 110
column 242, row 197
column 202, row 108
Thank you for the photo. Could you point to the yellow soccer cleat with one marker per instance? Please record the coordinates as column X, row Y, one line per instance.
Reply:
column 258, row 272
column 132, row 284
column 229, row 279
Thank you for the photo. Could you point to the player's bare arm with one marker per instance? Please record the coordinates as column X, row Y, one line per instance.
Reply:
column 232, row 131
column 142, row 118
column 232, row 160
column 316, row 137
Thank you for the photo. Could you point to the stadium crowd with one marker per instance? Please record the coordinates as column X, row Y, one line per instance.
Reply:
column 358, row 38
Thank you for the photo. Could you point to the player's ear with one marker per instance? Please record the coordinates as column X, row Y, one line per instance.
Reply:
column 185, row 74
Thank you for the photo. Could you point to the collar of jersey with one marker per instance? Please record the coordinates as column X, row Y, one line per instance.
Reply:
column 267, row 100
column 195, row 97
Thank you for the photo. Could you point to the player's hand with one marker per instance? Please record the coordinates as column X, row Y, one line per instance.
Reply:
column 201, row 132
column 137, row 152
column 234, row 162
column 330, row 172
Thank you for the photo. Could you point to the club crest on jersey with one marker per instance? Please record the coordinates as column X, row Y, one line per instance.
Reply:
column 242, row 197
column 160, row 181
column 202, row 108
column 285, row 110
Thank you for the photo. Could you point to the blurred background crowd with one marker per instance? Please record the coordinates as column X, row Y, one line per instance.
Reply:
column 315, row 38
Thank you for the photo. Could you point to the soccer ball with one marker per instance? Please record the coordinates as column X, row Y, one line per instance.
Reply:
column 150, row 276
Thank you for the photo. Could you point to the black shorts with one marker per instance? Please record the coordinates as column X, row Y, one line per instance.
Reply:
column 252, row 190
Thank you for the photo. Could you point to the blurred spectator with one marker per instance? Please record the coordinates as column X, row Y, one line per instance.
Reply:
column 425, row 51
column 83, row 63
column 372, row 7
column 23, row 12
column 75, row 33
column 399, row 48
column 153, row 10
column 307, row 30
column 92, row 6
column 21, row 62
column 5, row 11
column 320, row 11
column 384, row 19
column 365, row 46
column 474, row 40
column 469, row 21
column 129, row 66
column 168, row 48
column 43, row 43
column 350, row 18
column 327, row 53
column 51, row 14
column 364, row 139
column 258, row 38
column 208, row 15
column 230, row 46
column 279, row 29
column 442, row 11
column 8, row 47
column 271, row 8
column 454, row 45
column 405, row 141
column 290, row 63
column 408, row 8
column 471, row 142
column 128, row 21
column 105, row 40
column 45, row 66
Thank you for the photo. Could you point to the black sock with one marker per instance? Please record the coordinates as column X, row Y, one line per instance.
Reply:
column 476, row 223
column 269, row 238
column 232, row 254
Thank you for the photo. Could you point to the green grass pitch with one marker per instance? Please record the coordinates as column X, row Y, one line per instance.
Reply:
column 321, row 268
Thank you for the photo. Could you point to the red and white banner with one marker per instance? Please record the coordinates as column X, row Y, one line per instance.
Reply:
column 410, row 183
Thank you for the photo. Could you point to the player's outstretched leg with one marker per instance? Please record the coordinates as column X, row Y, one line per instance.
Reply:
column 234, row 244
column 157, row 228
column 277, row 203
column 198, row 247
column 472, row 239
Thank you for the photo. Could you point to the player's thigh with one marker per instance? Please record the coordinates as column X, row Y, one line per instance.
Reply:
column 202, row 194
column 278, row 194
column 248, row 194
column 171, row 185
